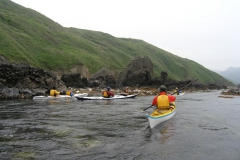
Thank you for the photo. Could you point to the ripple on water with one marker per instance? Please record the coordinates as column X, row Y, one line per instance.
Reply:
column 214, row 128
column 117, row 130
column 25, row 155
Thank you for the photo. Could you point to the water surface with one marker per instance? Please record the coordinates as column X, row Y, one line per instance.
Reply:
column 204, row 127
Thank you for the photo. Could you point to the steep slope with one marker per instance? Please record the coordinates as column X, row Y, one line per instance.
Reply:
column 28, row 36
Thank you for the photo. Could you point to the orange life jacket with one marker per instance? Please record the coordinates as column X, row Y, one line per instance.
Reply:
column 105, row 94
column 54, row 92
column 68, row 93
column 163, row 102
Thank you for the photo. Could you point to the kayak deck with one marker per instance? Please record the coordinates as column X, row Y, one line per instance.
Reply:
column 59, row 97
column 161, row 113
column 111, row 98
column 159, row 116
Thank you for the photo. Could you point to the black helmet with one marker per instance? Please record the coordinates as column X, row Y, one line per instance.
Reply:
column 108, row 88
column 163, row 88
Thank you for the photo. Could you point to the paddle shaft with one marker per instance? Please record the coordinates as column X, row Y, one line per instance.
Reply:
column 184, row 86
column 147, row 108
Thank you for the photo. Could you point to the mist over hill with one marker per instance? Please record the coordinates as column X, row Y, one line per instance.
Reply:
column 232, row 74
column 27, row 36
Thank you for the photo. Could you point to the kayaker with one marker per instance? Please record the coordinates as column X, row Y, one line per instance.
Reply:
column 163, row 100
column 176, row 91
column 107, row 93
column 127, row 90
column 54, row 92
column 70, row 92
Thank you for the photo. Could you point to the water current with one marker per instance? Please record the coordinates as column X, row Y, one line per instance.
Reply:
column 205, row 127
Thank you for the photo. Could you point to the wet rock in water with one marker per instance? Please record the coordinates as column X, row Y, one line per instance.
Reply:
column 225, row 96
column 231, row 92
column 10, row 93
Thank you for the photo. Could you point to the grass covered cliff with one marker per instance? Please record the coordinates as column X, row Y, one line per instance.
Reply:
column 30, row 37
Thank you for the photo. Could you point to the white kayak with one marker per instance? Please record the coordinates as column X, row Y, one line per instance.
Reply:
column 111, row 98
column 60, row 96
column 157, row 117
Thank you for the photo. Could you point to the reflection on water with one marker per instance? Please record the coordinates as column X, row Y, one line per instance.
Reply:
column 166, row 133
column 204, row 127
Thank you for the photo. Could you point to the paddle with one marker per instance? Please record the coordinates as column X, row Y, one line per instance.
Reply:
column 184, row 86
column 174, row 92
column 146, row 108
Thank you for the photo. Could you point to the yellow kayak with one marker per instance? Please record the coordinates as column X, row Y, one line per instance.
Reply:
column 159, row 116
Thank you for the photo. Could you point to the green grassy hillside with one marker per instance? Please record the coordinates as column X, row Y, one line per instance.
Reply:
column 28, row 36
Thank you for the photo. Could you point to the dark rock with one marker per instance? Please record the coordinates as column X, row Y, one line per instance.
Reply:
column 102, row 72
column 20, row 80
column 73, row 80
column 163, row 79
column 141, row 78
column 102, row 78
column 137, row 73
column 10, row 93
column 213, row 86
column 85, row 81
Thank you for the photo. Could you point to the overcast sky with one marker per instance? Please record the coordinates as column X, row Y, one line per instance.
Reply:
column 205, row 31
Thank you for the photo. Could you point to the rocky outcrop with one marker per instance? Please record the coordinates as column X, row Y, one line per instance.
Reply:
column 137, row 73
column 103, row 78
column 163, row 79
column 232, row 92
column 76, row 69
column 74, row 80
column 21, row 80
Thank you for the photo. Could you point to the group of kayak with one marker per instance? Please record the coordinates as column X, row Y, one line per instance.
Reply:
column 106, row 95
column 164, row 103
column 54, row 94
column 60, row 97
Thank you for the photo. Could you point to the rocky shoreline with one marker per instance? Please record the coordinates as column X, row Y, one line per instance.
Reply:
column 233, row 92
column 21, row 81
column 15, row 93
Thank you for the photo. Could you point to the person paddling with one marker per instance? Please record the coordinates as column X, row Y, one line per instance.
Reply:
column 70, row 92
column 163, row 100
column 125, row 92
column 54, row 92
column 107, row 93
column 176, row 91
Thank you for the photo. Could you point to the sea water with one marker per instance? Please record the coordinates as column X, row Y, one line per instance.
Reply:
column 205, row 127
